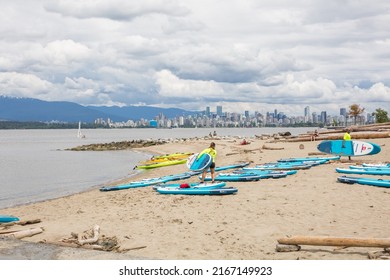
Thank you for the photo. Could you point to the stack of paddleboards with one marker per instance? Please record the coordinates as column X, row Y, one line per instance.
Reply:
column 365, row 169
column 165, row 160
column 218, row 188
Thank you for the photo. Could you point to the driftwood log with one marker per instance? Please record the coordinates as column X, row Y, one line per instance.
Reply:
column 336, row 241
column 24, row 233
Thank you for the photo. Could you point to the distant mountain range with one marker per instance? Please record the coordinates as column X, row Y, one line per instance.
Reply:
column 29, row 109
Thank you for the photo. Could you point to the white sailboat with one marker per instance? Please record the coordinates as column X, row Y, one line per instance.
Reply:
column 79, row 134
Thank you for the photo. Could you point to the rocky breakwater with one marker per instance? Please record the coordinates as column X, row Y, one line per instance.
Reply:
column 121, row 145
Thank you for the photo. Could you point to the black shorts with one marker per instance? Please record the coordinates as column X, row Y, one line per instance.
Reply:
column 212, row 165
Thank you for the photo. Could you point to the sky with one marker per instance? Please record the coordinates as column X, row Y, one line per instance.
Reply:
column 256, row 55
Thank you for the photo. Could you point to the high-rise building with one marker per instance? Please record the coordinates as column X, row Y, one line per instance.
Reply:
column 307, row 114
column 219, row 110
column 343, row 112
column 208, row 111
column 247, row 114
column 323, row 117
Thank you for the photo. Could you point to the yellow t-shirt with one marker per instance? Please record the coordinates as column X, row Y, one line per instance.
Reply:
column 211, row 152
column 347, row 136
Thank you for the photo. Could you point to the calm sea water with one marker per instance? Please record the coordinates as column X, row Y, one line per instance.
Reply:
column 35, row 166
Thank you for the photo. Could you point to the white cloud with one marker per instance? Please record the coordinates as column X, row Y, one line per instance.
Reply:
column 241, row 54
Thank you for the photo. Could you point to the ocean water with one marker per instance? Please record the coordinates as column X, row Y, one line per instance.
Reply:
column 35, row 166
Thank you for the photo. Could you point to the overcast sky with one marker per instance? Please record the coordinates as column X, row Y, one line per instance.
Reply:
column 242, row 54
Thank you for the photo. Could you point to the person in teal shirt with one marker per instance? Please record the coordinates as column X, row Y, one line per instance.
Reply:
column 213, row 153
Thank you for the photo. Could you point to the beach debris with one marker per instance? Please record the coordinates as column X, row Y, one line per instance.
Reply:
column 91, row 239
column 287, row 248
column 271, row 148
column 381, row 255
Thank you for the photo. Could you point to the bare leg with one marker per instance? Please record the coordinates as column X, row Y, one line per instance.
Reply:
column 212, row 170
column 203, row 176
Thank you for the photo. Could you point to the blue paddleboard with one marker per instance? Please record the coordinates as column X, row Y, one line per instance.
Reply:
column 196, row 163
column 348, row 148
column 8, row 219
column 364, row 181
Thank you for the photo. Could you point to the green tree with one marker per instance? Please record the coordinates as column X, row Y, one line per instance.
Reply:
column 381, row 116
column 354, row 111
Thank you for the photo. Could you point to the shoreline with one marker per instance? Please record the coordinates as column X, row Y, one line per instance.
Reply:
column 241, row 226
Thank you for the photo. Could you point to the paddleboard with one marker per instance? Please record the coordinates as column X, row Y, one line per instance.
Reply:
column 196, row 163
column 135, row 184
column 376, row 164
column 246, row 177
column 195, row 191
column 369, row 167
column 192, row 185
column 300, row 159
column 363, row 171
column 8, row 219
column 348, row 148
column 232, row 166
column 364, row 181
column 173, row 155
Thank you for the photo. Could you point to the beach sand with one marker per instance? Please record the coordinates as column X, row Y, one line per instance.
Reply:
column 244, row 226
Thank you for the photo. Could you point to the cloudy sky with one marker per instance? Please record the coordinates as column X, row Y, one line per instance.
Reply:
column 242, row 54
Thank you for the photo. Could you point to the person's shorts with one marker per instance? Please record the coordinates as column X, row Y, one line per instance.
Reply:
column 212, row 165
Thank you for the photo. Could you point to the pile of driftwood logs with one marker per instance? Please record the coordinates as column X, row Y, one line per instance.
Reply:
column 293, row 243
column 379, row 130
column 17, row 229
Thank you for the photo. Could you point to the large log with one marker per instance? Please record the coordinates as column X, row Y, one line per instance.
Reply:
column 24, row 233
column 336, row 241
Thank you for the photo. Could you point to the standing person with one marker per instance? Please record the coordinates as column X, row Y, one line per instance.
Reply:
column 314, row 135
column 347, row 137
column 213, row 153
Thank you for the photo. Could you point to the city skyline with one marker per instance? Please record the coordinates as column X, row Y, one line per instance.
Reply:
column 242, row 55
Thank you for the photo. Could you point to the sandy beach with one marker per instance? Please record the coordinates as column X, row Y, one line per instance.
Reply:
column 244, row 226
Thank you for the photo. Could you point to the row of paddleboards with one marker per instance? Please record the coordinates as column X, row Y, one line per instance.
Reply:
column 217, row 188
column 165, row 179
column 366, row 169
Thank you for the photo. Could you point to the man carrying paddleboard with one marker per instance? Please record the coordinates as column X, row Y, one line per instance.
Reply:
column 213, row 153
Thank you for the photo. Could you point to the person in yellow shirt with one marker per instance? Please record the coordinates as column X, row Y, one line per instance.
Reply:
column 213, row 153
column 347, row 137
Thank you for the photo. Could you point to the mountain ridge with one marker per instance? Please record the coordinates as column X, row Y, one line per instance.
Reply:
column 31, row 109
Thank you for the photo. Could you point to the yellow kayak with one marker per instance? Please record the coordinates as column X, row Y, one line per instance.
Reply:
column 161, row 164
column 174, row 155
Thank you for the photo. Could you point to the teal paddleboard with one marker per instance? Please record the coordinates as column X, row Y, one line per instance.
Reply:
column 8, row 219
column 303, row 159
column 363, row 171
column 198, row 163
column 348, row 148
column 201, row 191
column 197, row 185
column 365, row 181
